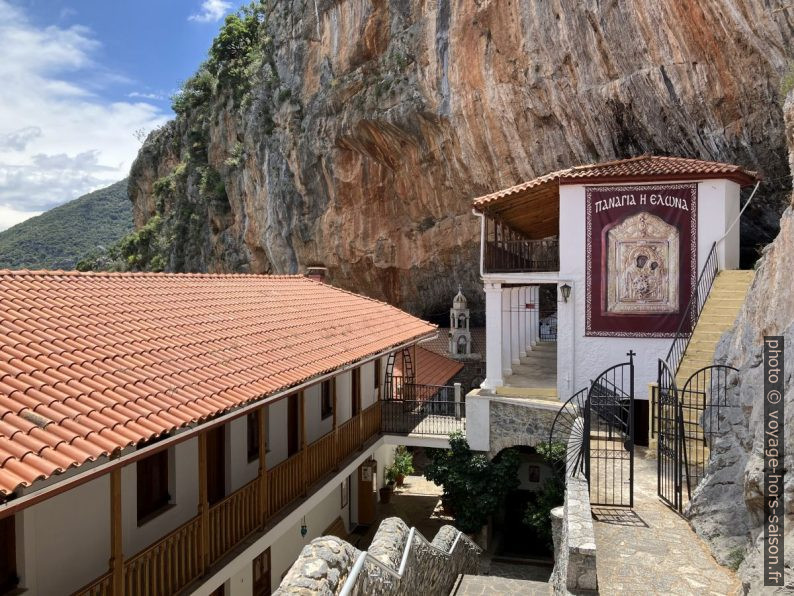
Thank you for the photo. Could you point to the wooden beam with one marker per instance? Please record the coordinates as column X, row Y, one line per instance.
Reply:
column 336, row 424
column 304, row 467
column 116, row 545
column 263, row 490
column 203, row 505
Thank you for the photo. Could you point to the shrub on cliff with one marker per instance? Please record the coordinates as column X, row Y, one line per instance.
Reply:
column 474, row 486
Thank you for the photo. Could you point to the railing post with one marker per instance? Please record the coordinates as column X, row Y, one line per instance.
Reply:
column 458, row 395
column 116, row 553
column 304, row 473
column 264, row 497
column 335, row 424
column 203, row 505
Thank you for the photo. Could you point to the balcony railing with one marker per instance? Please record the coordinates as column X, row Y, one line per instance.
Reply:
column 186, row 553
column 507, row 251
column 423, row 417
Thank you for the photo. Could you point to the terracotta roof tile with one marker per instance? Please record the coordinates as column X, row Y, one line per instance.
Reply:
column 642, row 167
column 431, row 368
column 93, row 363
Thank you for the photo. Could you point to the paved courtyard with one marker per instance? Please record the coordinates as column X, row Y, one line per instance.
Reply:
column 652, row 550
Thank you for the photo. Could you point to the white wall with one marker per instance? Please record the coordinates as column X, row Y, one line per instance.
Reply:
column 239, row 470
column 589, row 356
column 276, row 433
column 183, row 486
column 367, row 385
column 523, row 472
column 344, row 383
column 316, row 427
column 64, row 542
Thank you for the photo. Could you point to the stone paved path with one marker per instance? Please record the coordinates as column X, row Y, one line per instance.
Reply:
column 652, row 550
column 482, row 585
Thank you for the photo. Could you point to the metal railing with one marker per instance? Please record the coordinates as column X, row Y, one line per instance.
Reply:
column 404, row 388
column 423, row 417
column 547, row 331
column 506, row 251
column 692, row 312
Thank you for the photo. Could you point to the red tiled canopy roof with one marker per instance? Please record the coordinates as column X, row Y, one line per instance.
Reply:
column 533, row 207
column 431, row 368
column 91, row 363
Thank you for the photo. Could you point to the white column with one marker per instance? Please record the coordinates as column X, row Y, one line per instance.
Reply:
column 535, row 330
column 522, row 321
column 493, row 337
column 507, row 369
column 530, row 313
column 514, row 324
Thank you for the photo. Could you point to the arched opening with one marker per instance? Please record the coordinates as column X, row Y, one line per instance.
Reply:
column 516, row 538
column 461, row 348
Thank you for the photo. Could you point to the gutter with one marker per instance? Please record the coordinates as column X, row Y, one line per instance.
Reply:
column 23, row 502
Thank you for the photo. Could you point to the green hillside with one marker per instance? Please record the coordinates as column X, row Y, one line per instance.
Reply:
column 58, row 238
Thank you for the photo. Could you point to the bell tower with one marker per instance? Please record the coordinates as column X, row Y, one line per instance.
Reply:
column 459, row 333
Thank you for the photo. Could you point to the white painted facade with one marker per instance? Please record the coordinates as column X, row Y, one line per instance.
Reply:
column 511, row 329
column 63, row 543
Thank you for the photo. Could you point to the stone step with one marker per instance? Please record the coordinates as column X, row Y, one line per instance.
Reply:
column 468, row 585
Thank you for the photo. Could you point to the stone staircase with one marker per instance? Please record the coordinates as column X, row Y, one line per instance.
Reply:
column 719, row 313
column 535, row 376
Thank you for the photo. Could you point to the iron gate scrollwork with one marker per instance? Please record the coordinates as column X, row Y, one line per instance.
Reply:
column 609, row 436
column 687, row 420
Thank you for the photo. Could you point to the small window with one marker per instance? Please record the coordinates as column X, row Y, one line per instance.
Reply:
column 326, row 400
column 152, row 473
column 8, row 555
column 262, row 574
column 355, row 394
column 377, row 374
column 252, row 423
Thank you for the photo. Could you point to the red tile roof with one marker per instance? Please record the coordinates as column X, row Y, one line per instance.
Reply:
column 643, row 167
column 431, row 368
column 93, row 363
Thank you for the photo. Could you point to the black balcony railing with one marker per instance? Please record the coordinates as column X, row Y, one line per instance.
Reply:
column 507, row 251
column 423, row 417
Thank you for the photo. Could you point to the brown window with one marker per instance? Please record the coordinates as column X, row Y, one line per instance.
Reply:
column 355, row 394
column 293, row 424
column 326, row 400
column 153, row 493
column 8, row 555
column 377, row 374
column 262, row 574
column 252, row 437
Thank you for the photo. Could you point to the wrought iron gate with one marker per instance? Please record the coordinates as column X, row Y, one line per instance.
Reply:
column 687, row 419
column 609, row 436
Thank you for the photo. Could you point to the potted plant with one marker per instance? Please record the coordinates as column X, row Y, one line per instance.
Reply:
column 403, row 464
column 386, row 491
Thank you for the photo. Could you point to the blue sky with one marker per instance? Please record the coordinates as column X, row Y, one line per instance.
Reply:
column 80, row 77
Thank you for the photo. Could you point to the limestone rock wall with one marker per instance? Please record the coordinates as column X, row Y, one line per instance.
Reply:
column 727, row 506
column 381, row 119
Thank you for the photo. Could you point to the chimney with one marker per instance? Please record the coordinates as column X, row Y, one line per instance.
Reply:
column 317, row 273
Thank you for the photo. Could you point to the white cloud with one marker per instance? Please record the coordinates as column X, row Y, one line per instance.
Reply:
column 11, row 217
column 58, row 138
column 141, row 95
column 211, row 10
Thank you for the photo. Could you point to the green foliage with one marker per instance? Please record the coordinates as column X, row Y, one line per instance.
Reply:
column 211, row 184
column 538, row 512
column 787, row 81
column 195, row 92
column 403, row 461
column 235, row 159
column 142, row 250
column 474, row 487
column 57, row 238
column 736, row 557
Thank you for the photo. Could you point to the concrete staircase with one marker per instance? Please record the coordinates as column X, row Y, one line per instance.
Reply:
column 719, row 313
column 536, row 376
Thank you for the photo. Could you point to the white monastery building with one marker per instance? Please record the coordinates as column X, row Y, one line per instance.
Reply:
column 583, row 265
column 162, row 433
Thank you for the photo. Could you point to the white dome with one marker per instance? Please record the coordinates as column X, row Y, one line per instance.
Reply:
column 459, row 301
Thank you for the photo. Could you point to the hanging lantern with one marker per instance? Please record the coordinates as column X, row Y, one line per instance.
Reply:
column 304, row 529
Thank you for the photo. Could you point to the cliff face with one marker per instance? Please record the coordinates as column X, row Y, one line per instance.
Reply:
column 371, row 124
column 728, row 507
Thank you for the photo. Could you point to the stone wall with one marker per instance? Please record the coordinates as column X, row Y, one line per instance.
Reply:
column 519, row 421
column 325, row 564
column 574, row 541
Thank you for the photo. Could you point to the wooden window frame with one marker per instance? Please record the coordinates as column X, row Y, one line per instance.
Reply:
column 326, row 399
column 378, row 374
column 252, row 438
column 157, row 463
column 8, row 550
column 262, row 564
column 355, row 392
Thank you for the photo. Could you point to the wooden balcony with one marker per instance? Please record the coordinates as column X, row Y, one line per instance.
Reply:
column 507, row 251
column 189, row 551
